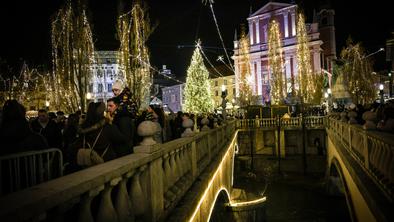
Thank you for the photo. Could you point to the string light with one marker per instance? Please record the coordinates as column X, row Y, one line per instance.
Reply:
column 133, row 31
column 275, row 62
column 306, row 81
column 245, row 91
column 197, row 90
column 72, row 56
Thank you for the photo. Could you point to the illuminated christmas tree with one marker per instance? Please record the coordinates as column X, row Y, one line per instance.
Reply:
column 133, row 31
column 275, row 62
column 357, row 73
column 306, row 80
column 245, row 90
column 72, row 54
column 197, row 90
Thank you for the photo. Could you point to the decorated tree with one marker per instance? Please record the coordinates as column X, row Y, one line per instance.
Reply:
column 357, row 73
column 245, row 90
column 197, row 90
column 72, row 54
column 309, row 84
column 275, row 62
column 133, row 31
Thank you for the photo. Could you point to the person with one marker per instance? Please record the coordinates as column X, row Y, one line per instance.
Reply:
column 124, row 98
column 47, row 128
column 125, row 125
column 95, row 128
column 387, row 122
column 15, row 133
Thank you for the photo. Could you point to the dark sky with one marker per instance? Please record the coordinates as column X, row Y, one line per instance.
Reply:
column 26, row 27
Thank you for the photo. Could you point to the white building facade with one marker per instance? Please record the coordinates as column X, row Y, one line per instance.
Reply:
column 104, row 71
column 286, row 15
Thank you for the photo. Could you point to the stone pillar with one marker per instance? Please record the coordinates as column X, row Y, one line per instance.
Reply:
column 205, row 123
column 257, row 31
column 286, row 24
column 293, row 24
column 251, row 34
column 188, row 124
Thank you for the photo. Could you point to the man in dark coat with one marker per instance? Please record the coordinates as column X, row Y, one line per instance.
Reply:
column 48, row 129
column 125, row 125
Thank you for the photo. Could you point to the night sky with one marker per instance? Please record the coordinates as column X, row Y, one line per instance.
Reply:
column 26, row 28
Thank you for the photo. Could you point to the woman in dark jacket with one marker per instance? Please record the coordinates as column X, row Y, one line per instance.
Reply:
column 97, row 134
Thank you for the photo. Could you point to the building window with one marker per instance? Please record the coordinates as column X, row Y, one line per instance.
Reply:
column 216, row 83
column 90, row 89
column 234, row 92
column 173, row 98
column 216, row 93
column 225, row 82
column 109, row 86
column 100, row 88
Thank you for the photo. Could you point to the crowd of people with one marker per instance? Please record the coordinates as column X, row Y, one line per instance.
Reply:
column 110, row 130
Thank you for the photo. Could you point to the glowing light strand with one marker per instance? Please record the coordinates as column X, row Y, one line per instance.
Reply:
column 275, row 62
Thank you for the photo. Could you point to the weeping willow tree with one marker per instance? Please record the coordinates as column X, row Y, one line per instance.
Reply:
column 309, row 84
column 72, row 52
column 197, row 89
column 357, row 73
column 245, row 90
column 275, row 62
column 133, row 31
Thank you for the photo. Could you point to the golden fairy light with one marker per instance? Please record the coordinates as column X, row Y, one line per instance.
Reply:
column 72, row 54
column 305, row 79
column 275, row 62
column 133, row 31
column 245, row 90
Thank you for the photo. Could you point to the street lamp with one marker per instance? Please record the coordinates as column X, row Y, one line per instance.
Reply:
column 381, row 87
column 390, row 85
column 224, row 102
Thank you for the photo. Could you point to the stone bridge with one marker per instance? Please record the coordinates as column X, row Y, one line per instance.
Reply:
column 181, row 180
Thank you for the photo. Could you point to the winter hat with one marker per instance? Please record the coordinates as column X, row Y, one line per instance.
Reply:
column 118, row 85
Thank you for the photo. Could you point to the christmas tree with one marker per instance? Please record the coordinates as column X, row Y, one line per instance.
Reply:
column 197, row 90
column 275, row 61
column 307, row 81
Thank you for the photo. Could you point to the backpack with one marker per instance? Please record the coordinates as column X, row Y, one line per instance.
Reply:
column 88, row 156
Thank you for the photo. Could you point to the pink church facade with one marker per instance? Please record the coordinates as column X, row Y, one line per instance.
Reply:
column 286, row 15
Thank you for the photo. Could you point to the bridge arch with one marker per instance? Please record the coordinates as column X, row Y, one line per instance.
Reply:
column 339, row 158
column 218, row 209
column 337, row 183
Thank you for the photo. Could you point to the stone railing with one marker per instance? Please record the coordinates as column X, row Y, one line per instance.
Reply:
column 293, row 122
column 144, row 186
column 373, row 150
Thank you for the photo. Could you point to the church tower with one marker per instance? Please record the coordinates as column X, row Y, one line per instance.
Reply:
column 325, row 18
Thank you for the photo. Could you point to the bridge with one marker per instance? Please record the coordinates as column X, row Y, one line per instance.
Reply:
column 183, row 179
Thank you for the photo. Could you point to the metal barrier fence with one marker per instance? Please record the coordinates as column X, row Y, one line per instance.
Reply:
column 26, row 169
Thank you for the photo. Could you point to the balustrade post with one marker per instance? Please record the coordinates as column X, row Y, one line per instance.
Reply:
column 366, row 151
column 85, row 213
column 106, row 210
column 194, row 160
column 123, row 203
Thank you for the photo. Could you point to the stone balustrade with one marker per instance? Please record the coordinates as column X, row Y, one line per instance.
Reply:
column 144, row 186
column 373, row 150
column 293, row 122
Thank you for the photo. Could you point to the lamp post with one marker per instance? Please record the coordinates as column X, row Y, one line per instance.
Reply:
column 390, row 85
column 224, row 102
column 381, row 87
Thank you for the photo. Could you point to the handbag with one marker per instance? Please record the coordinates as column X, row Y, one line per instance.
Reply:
column 88, row 156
